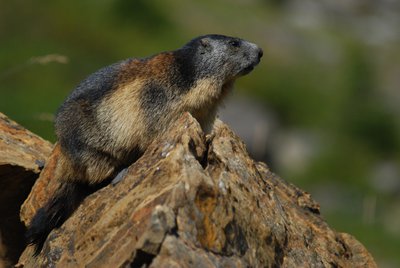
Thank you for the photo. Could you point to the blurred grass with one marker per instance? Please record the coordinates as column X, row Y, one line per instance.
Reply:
column 319, row 75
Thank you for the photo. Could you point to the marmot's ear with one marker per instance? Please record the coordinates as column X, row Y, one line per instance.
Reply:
column 205, row 45
column 205, row 42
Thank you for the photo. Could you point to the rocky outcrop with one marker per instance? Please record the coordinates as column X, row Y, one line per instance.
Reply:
column 22, row 154
column 193, row 201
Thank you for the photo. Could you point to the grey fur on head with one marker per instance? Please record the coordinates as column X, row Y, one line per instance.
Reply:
column 226, row 57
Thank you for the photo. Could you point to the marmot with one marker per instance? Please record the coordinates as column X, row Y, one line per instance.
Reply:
column 114, row 114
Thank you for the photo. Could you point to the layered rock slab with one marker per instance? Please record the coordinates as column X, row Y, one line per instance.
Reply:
column 193, row 201
column 22, row 155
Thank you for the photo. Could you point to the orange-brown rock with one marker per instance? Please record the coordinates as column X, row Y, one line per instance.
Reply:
column 192, row 201
column 21, row 155
column 42, row 189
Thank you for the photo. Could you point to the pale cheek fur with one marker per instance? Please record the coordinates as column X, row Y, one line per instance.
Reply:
column 205, row 92
column 202, row 101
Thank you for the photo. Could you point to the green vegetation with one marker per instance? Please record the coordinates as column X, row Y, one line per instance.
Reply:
column 327, row 71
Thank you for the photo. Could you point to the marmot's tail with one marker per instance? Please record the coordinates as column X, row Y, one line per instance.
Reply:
column 55, row 212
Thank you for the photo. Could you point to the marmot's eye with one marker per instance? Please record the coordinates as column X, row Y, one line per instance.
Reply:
column 234, row 43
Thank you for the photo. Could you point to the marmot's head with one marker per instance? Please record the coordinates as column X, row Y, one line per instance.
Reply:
column 222, row 56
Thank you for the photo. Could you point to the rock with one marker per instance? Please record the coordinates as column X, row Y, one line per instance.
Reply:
column 22, row 154
column 192, row 201
column 42, row 189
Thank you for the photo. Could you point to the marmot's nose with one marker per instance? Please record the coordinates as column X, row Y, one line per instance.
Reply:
column 260, row 53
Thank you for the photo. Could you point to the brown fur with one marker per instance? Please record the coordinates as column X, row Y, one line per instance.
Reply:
column 113, row 115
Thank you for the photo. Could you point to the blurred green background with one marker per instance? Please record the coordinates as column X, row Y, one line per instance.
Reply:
column 322, row 108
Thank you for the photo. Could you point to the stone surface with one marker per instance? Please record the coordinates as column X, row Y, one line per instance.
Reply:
column 42, row 189
column 22, row 153
column 192, row 201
